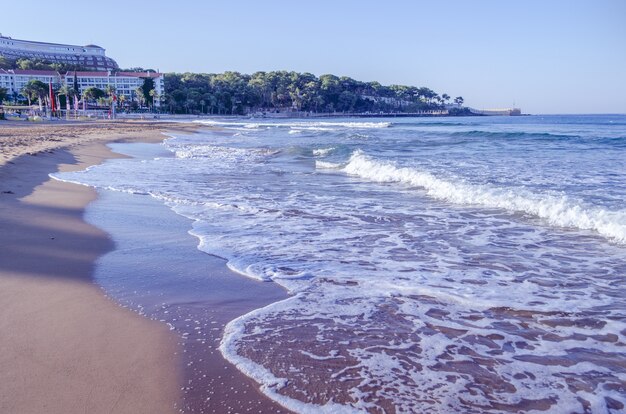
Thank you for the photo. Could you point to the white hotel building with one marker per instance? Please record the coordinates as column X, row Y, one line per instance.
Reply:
column 92, row 57
column 14, row 80
column 125, row 83
column 103, row 71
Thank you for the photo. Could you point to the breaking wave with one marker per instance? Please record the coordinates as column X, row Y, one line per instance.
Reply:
column 557, row 210
column 513, row 134
column 316, row 125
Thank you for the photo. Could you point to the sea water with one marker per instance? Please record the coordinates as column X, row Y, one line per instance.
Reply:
column 433, row 264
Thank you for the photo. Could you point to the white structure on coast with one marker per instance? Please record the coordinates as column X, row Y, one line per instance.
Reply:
column 91, row 57
column 98, row 70
column 125, row 83
column 14, row 80
column 497, row 112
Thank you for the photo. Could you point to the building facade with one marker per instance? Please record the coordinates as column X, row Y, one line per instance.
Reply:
column 125, row 83
column 91, row 57
column 6, row 80
column 17, row 79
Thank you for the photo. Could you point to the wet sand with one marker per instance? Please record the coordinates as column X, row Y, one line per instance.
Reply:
column 66, row 347
column 195, row 293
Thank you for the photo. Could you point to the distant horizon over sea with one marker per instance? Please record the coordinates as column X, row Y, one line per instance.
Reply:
column 434, row 264
column 165, row 117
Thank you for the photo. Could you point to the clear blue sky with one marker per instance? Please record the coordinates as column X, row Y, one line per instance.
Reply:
column 549, row 56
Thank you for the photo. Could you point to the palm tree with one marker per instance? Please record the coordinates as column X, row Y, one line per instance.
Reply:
column 155, row 96
column 140, row 96
column 93, row 94
column 121, row 99
column 28, row 91
column 69, row 93
column 3, row 94
column 212, row 101
column 35, row 89
column 110, row 92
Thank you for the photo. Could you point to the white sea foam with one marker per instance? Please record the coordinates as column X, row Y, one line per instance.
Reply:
column 558, row 211
column 221, row 153
column 323, row 152
column 303, row 128
column 302, row 125
column 270, row 384
column 325, row 165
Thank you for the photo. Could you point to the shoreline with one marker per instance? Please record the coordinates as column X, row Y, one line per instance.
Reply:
column 194, row 293
column 66, row 347
column 172, row 281
column 70, row 345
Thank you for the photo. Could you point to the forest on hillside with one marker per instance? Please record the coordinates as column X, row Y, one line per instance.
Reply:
column 281, row 91
column 234, row 93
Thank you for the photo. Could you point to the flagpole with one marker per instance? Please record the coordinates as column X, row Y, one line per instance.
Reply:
column 113, row 103
column 50, row 100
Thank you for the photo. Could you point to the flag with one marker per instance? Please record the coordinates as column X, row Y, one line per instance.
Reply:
column 52, row 100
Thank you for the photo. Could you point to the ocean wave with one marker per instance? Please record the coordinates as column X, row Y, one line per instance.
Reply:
column 311, row 125
column 558, row 211
column 513, row 135
column 221, row 153
column 324, row 165
column 429, row 124
column 323, row 152
column 315, row 129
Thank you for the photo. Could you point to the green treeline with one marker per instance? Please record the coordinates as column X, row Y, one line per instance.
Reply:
column 36, row 64
column 281, row 91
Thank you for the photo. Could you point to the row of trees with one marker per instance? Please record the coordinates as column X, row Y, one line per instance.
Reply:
column 37, row 64
column 277, row 91
column 236, row 93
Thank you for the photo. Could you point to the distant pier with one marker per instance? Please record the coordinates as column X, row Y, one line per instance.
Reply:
column 496, row 112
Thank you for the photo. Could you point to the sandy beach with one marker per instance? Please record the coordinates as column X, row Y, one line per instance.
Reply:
column 67, row 348
column 26, row 138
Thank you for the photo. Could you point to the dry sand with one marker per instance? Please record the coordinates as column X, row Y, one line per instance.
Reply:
column 23, row 138
column 64, row 347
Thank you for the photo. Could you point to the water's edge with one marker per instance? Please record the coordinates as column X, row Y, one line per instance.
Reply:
column 157, row 271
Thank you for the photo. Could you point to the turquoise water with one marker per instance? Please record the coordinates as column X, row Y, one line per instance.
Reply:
column 434, row 264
